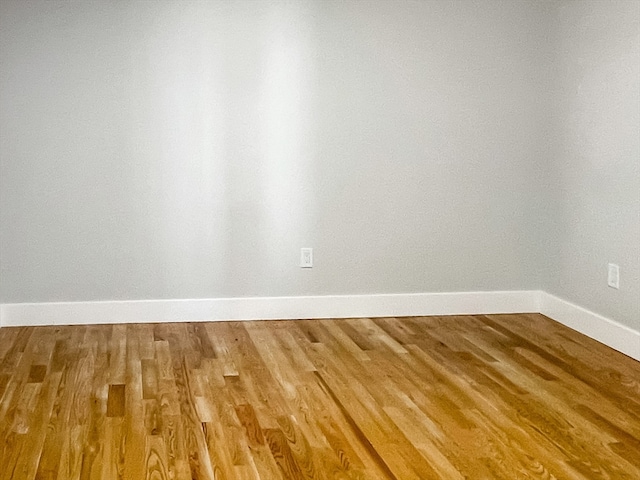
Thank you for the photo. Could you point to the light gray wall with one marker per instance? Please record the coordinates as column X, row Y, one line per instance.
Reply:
column 595, row 168
column 189, row 149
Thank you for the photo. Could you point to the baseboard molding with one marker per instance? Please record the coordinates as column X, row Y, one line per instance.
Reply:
column 269, row 308
column 607, row 331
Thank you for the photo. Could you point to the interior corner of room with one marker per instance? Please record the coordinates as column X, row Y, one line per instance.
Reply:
column 166, row 161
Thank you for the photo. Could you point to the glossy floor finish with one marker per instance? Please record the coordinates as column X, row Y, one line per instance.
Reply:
column 478, row 397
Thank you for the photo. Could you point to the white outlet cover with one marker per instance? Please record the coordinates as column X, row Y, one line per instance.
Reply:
column 306, row 257
column 613, row 276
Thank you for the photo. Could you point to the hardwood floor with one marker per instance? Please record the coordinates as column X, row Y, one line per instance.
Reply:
column 478, row 397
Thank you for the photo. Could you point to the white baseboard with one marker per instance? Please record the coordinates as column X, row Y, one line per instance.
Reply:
column 269, row 308
column 607, row 331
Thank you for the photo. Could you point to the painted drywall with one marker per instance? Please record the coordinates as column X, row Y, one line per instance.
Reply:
column 595, row 168
column 167, row 149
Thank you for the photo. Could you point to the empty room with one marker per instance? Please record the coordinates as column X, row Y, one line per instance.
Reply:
column 317, row 239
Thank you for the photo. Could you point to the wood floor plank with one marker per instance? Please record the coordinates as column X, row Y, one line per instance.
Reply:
column 137, row 443
column 483, row 397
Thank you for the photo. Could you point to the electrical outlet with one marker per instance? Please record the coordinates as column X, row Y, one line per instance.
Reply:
column 306, row 257
column 613, row 277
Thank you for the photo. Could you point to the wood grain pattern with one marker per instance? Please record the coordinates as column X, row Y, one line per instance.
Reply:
column 480, row 397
